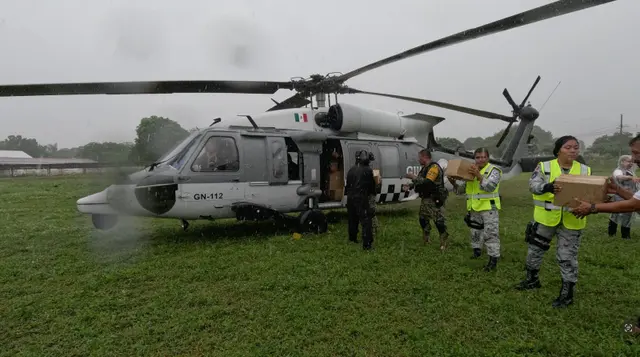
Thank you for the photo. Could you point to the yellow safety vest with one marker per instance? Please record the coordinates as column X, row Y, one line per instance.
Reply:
column 544, row 211
column 478, row 199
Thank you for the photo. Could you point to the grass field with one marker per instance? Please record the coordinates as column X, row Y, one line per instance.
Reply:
column 239, row 289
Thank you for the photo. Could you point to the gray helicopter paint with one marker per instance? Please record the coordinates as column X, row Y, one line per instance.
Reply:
column 262, row 177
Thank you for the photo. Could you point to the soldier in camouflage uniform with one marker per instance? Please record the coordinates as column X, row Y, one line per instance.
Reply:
column 429, row 183
column 550, row 220
column 483, row 205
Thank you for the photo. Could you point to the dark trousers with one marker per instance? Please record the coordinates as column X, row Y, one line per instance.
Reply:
column 359, row 213
column 613, row 229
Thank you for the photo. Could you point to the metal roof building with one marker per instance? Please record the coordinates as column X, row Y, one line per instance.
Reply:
column 42, row 161
column 16, row 158
column 14, row 154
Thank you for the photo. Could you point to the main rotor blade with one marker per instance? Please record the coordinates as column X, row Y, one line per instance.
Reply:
column 544, row 12
column 530, row 91
column 480, row 113
column 158, row 87
column 504, row 135
column 513, row 104
column 295, row 101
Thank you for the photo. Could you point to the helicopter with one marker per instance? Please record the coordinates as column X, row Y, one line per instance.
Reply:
column 294, row 161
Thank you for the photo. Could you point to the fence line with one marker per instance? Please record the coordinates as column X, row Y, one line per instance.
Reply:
column 57, row 169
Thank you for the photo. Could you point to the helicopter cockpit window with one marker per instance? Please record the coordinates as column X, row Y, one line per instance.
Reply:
column 189, row 140
column 219, row 154
column 280, row 159
column 183, row 151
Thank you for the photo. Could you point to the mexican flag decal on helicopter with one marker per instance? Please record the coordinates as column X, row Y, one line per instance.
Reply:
column 300, row 116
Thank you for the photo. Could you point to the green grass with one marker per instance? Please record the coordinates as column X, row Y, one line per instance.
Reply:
column 239, row 289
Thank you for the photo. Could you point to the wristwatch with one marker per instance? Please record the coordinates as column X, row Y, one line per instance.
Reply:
column 593, row 208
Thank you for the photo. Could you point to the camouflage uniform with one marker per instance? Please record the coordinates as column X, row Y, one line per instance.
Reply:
column 428, row 209
column 568, row 239
column 374, row 218
column 567, row 248
column 490, row 235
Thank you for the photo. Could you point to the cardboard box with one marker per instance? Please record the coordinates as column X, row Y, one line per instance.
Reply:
column 592, row 189
column 459, row 169
column 336, row 180
column 336, row 195
column 376, row 176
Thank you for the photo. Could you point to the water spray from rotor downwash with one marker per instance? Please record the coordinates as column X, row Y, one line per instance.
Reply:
column 139, row 34
column 127, row 241
column 238, row 41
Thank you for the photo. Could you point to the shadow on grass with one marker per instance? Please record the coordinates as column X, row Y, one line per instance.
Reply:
column 231, row 229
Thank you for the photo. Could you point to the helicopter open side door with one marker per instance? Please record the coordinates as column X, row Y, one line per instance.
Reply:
column 269, row 187
column 349, row 150
column 277, row 160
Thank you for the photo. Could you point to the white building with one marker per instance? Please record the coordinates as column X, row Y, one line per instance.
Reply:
column 14, row 154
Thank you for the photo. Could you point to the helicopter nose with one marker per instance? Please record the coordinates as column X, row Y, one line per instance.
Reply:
column 96, row 198
column 95, row 204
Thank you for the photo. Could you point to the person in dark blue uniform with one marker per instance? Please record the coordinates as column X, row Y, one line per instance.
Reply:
column 360, row 185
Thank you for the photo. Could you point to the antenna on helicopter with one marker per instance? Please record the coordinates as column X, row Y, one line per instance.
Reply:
column 253, row 123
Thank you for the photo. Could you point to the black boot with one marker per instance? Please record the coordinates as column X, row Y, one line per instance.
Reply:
column 477, row 252
column 613, row 228
column 531, row 282
column 566, row 295
column 492, row 264
column 626, row 232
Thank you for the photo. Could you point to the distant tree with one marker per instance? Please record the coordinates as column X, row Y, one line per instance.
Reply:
column 105, row 152
column 611, row 146
column 66, row 153
column 27, row 145
column 473, row 143
column 451, row 143
column 50, row 149
column 583, row 146
column 155, row 136
column 541, row 143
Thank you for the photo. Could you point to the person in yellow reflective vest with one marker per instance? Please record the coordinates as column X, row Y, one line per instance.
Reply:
column 483, row 203
column 550, row 220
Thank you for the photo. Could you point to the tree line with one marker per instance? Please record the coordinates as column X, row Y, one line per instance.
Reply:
column 603, row 148
column 156, row 135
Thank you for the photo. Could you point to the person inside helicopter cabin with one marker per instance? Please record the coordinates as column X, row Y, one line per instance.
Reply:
column 333, row 163
column 429, row 184
column 218, row 154
column 359, row 187
column 624, row 177
column 483, row 204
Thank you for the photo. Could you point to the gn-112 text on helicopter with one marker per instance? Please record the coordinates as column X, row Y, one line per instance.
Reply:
column 281, row 165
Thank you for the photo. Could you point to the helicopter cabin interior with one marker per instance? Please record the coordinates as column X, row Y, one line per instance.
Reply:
column 332, row 174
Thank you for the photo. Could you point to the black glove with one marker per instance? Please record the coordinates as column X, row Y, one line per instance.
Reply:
column 548, row 188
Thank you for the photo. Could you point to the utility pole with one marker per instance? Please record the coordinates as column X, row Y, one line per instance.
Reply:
column 621, row 141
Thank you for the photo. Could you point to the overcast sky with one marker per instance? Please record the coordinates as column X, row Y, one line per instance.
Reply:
column 592, row 52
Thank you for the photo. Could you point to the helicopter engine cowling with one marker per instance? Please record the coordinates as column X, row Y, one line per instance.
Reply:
column 348, row 118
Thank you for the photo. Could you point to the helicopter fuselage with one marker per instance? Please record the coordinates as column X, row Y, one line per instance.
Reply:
column 262, row 172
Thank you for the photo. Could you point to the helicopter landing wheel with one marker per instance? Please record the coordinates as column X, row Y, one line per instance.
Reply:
column 313, row 221
column 104, row 222
column 184, row 224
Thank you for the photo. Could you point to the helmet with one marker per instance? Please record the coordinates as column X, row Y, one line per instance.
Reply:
column 364, row 157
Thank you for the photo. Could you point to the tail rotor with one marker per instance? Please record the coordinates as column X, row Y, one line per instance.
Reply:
column 519, row 111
